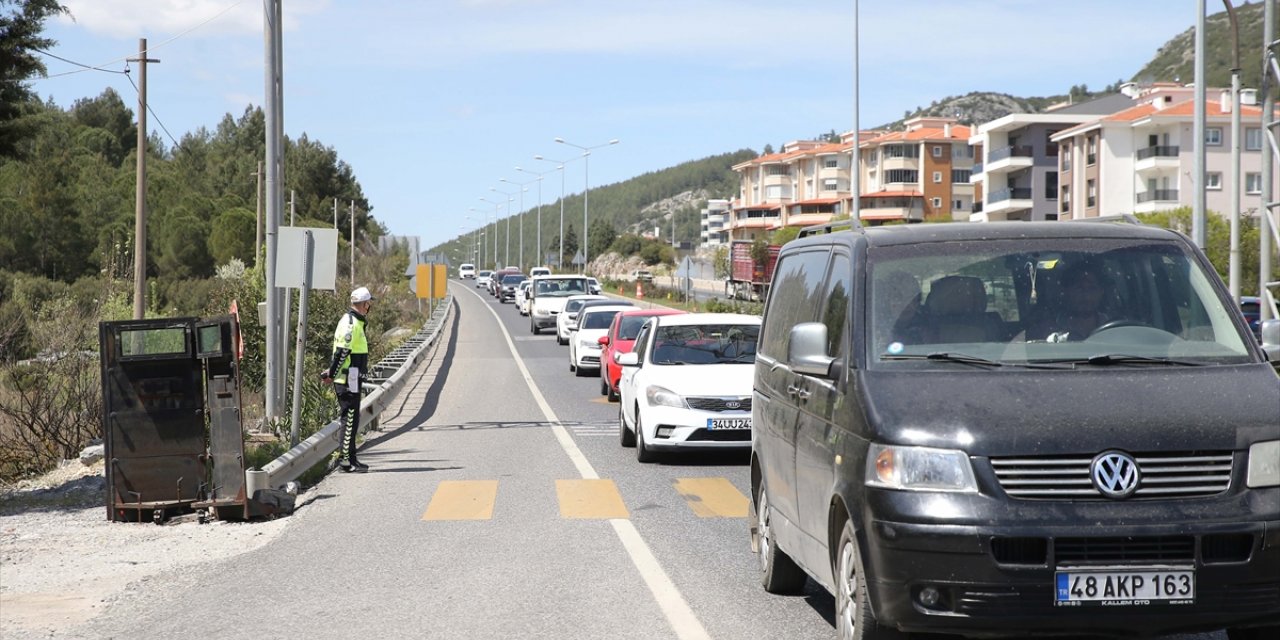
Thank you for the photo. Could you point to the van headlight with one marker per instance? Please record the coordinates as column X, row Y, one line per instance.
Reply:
column 659, row 397
column 1264, row 465
column 919, row 469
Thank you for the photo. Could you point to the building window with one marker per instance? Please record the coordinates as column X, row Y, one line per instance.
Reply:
column 902, row 175
column 1091, row 156
column 960, row 175
column 901, row 151
column 1253, row 183
column 1253, row 139
column 937, row 151
column 1050, row 185
column 958, row 205
column 773, row 192
column 1091, row 191
column 1065, row 198
column 937, row 176
column 777, row 170
column 831, row 184
column 1213, row 136
column 961, row 151
column 937, row 202
column 831, row 163
column 1213, row 180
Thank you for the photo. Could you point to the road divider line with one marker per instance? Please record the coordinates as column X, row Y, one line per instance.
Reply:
column 673, row 605
column 463, row 500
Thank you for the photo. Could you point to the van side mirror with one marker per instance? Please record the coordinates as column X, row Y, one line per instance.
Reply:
column 1271, row 340
column 807, row 353
column 631, row 359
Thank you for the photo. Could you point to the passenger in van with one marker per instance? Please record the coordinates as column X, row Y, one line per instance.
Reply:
column 898, row 307
column 1080, row 309
column 956, row 311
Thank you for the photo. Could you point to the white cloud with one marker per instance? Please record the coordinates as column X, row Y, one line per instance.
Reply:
column 155, row 18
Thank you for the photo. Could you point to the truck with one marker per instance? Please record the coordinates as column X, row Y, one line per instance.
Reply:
column 749, row 278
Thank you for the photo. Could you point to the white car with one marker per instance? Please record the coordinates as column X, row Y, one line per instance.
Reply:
column 584, row 344
column 539, row 271
column 549, row 295
column 522, row 296
column 484, row 279
column 466, row 270
column 593, row 286
column 567, row 320
column 688, row 384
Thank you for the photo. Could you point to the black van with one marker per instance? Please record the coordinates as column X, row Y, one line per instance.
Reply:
column 1016, row 428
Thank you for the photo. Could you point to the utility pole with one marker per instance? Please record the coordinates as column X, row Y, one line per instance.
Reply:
column 1199, row 202
column 273, row 111
column 140, row 215
column 257, row 247
column 353, row 244
column 1233, row 258
column 335, row 214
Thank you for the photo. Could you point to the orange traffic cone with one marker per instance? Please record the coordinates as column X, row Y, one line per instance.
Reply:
column 639, row 291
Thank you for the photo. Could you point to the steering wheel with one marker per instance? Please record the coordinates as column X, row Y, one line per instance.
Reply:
column 1117, row 323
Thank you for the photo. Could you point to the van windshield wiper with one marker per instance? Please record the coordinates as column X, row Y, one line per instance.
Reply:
column 1121, row 358
column 962, row 358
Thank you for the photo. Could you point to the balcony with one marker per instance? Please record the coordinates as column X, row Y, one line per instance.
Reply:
column 1160, row 157
column 1002, row 202
column 1007, row 159
column 1156, row 200
column 976, row 175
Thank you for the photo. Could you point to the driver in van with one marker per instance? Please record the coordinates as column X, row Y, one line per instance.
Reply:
column 1084, row 289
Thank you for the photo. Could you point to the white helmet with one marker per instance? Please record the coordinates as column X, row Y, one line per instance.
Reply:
column 361, row 295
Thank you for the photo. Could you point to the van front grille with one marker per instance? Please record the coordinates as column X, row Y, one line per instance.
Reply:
column 1163, row 475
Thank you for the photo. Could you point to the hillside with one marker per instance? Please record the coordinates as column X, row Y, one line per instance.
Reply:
column 1175, row 60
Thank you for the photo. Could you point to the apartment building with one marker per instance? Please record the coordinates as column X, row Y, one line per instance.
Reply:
column 716, row 217
column 1141, row 159
column 920, row 173
column 806, row 183
column 1015, row 175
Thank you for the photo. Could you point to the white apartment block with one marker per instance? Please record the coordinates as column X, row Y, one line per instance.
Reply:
column 716, row 218
column 807, row 183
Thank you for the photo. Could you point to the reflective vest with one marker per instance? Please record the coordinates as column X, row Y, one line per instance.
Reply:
column 350, row 337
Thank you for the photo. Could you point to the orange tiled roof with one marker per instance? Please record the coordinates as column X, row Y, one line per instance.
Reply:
column 817, row 201
column 894, row 194
column 772, row 206
column 925, row 134
column 1184, row 109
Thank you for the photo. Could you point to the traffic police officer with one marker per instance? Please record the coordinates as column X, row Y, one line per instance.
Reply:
column 347, row 369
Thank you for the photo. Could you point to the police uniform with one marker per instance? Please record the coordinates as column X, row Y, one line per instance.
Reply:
column 347, row 369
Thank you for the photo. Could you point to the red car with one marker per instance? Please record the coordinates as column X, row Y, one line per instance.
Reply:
column 621, row 339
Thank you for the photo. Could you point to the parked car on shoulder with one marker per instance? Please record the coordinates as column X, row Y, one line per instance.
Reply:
column 1251, row 308
column 549, row 296
column 586, row 343
column 687, row 384
column 567, row 320
column 593, row 286
column 1015, row 429
column 621, row 339
column 642, row 275
column 466, row 271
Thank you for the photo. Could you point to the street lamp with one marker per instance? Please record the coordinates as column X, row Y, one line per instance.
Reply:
column 495, row 229
column 560, row 168
column 586, row 186
column 521, row 214
column 509, row 201
column 539, row 181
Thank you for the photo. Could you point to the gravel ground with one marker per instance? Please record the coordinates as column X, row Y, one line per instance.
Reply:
column 62, row 562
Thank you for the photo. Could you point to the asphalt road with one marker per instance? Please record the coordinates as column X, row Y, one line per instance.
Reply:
column 504, row 506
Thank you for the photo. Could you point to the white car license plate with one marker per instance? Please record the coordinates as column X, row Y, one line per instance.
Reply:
column 725, row 424
column 1116, row 587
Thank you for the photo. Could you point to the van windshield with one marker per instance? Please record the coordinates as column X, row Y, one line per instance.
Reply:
column 561, row 287
column 1051, row 300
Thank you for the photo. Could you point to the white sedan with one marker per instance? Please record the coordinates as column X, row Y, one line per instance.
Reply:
column 688, row 383
column 567, row 320
column 584, row 343
column 522, row 296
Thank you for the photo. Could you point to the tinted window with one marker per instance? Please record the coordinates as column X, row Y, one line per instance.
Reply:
column 836, row 309
column 515, row 279
column 705, row 344
column 573, row 305
column 631, row 327
column 794, row 297
column 642, row 340
column 561, row 287
column 597, row 319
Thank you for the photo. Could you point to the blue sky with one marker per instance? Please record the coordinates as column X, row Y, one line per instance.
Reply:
column 433, row 102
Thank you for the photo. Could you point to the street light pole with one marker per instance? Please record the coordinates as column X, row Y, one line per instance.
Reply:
column 586, row 187
column 560, row 168
column 495, row 233
column 539, row 235
column 509, row 201
column 523, row 189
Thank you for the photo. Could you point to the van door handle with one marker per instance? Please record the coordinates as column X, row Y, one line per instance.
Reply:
column 803, row 394
column 792, row 390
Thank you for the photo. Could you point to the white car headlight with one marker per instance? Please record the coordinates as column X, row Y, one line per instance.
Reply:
column 1264, row 465
column 588, row 344
column 919, row 469
column 660, row 397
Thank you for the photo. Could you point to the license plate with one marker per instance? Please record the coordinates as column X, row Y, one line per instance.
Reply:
column 1114, row 587
column 718, row 424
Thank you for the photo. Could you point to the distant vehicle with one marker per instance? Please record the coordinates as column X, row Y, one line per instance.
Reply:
column 748, row 278
column 495, row 287
column 522, row 297
column 687, row 384
column 567, row 320
column 539, row 271
column 587, row 343
column 466, row 271
column 508, row 286
column 621, row 339
column 594, row 285
column 549, row 296
column 642, row 275
column 1251, row 307
column 483, row 279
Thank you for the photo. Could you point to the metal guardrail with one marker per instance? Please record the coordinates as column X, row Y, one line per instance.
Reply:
column 389, row 375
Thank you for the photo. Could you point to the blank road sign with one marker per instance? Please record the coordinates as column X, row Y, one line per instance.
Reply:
column 290, row 249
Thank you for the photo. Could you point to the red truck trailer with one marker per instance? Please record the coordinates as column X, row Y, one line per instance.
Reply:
column 748, row 278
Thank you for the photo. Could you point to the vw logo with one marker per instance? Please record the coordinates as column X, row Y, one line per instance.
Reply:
column 733, row 404
column 1115, row 474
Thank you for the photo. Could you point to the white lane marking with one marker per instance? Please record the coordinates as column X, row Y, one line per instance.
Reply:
column 679, row 615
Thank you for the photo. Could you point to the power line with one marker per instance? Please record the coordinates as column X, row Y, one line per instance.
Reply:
column 78, row 64
column 153, row 48
column 150, row 110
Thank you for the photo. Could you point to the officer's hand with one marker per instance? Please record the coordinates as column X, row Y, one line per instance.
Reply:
column 325, row 377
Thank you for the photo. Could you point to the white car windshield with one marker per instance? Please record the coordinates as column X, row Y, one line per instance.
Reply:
column 1062, row 301
column 561, row 287
column 705, row 344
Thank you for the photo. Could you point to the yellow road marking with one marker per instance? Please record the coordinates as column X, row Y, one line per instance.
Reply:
column 463, row 500
column 713, row 497
column 590, row 499
column 601, row 400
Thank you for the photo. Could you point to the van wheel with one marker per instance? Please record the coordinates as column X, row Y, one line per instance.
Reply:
column 626, row 437
column 643, row 453
column 778, row 572
column 1253, row 633
column 533, row 327
column 854, row 618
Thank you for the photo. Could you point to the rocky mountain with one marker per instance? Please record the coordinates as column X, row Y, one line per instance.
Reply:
column 1175, row 60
